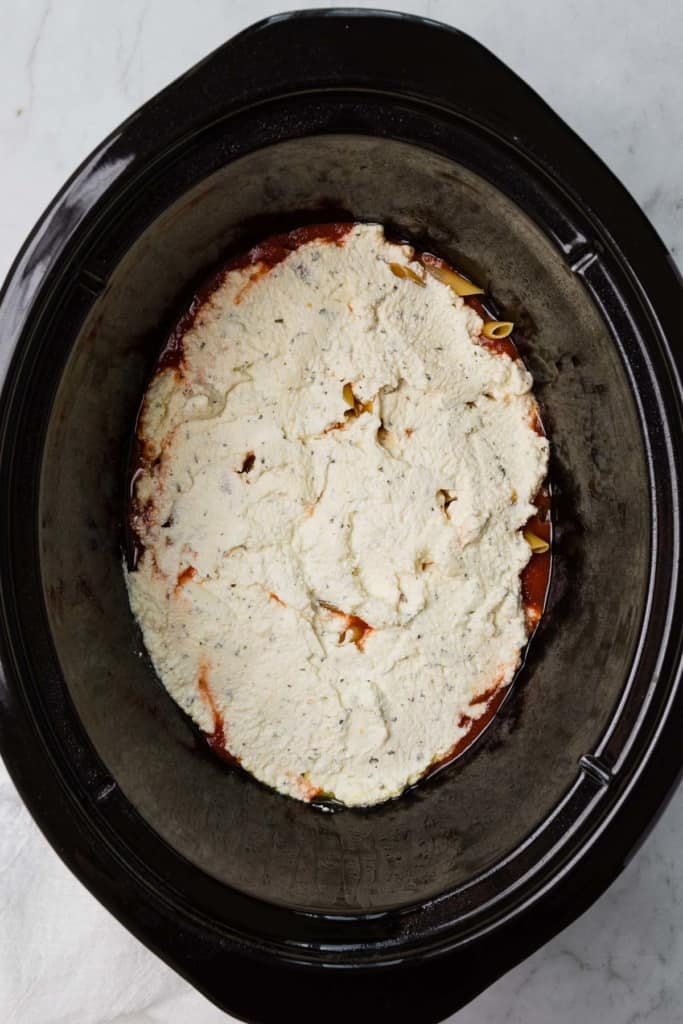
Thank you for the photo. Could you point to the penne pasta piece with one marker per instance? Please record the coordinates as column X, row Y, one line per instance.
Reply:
column 399, row 270
column 356, row 407
column 459, row 284
column 496, row 329
column 348, row 395
column 537, row 544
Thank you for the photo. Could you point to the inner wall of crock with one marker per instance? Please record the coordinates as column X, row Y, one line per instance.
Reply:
column 475, row 812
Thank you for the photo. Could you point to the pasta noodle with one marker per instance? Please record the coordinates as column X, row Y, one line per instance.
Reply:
column 537, row 544
column 496, row 329
column 398, row 270
column 460, row 285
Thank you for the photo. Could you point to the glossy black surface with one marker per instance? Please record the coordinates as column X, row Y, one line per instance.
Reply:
column 247, row 893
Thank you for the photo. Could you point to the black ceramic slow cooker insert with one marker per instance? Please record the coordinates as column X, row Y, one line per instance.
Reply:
column 407, row 910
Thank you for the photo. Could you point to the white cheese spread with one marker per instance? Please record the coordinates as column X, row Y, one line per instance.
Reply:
column 330, row 505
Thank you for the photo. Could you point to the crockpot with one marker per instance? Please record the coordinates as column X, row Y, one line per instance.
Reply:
column 404, row 911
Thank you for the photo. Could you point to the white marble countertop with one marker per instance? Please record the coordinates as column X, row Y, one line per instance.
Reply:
column 71, row 71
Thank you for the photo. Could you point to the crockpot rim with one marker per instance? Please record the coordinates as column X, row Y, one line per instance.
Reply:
column 14, row 715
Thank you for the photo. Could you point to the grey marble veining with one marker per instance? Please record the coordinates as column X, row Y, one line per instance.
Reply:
column 71, row 71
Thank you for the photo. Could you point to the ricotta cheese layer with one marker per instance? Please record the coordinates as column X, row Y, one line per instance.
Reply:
column 329, row 504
